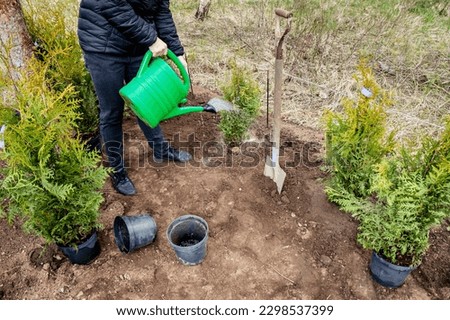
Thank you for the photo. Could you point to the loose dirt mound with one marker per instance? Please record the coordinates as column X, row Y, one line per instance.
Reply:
column 262, row 245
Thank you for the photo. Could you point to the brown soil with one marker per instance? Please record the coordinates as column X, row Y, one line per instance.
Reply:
column 261, row 245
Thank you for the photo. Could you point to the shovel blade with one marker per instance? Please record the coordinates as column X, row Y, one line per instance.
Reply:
column 268, row 168
column 279, row 177
column 274, row 172
column 220, row 105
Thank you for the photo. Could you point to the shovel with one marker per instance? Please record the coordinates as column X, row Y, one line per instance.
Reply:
column 272, row 167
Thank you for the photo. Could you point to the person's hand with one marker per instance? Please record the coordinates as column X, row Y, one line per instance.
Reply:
column 183, row 62
column 159, row 48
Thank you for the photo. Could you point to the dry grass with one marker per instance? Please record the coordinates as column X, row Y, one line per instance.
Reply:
column 411, row 57
column 409, row 51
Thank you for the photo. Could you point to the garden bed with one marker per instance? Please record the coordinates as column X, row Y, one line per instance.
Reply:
column 262, row 245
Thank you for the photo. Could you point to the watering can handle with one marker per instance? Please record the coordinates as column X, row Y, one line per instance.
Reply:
column 184, row 75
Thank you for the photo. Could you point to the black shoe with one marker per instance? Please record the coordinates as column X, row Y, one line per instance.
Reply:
column 173, row 155
column 122, row 183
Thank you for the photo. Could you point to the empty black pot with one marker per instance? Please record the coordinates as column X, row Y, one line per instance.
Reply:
column 134, row 232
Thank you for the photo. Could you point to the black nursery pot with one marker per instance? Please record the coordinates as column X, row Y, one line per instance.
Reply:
column 85, row 252
column 188, row 236
column 387, row 274
column 134, row 232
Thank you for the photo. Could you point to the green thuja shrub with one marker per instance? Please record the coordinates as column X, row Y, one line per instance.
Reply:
column 412, row 191
column 356, row 140
column 234, row 126
column 397, row 195
column 243, row 91
column 48, row 178
column 56, row 46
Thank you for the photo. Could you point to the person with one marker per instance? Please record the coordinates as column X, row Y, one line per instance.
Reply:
column 114, row 35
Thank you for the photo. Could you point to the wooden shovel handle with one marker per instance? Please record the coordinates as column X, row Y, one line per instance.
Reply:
column 281, row 13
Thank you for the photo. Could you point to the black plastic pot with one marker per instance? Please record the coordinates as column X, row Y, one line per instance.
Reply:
column 85, row 252
column 188, row 236
column 387, row 274
column 134, row 232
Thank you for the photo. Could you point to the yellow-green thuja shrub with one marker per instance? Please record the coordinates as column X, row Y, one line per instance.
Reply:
column 243, row 91
column 356, row 140
column 48, row 179
column 52, row 27
column 397, row 194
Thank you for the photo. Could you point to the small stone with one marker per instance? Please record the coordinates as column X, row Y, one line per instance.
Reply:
column 285, row 199
column 79, row 295
column 384, row 67
column 325, row 260
column 235, row 150
column 46, row 266
column 211, row 206
column 293, row 215
column 273, row 193
column 323, row 95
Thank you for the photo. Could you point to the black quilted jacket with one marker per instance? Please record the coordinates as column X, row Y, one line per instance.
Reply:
column 126, row 27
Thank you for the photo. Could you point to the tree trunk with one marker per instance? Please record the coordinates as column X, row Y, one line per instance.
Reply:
column 203, row 9
column 15, row 40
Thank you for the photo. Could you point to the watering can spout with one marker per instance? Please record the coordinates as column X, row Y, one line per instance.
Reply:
column 214, row 105
column 182, row 111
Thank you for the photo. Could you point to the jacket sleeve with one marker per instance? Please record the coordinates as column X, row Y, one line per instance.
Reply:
column 166, row 28
column 121, row 15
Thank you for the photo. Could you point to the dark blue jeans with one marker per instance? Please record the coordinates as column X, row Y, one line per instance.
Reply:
column 109, row 74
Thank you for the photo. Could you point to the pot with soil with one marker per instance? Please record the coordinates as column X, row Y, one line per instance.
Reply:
column 388, row 274
column 84, row 252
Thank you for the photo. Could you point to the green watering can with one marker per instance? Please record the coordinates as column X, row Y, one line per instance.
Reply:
column 157, row 91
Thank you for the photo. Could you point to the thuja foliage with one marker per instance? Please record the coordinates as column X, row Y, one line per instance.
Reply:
column 397, row 194
column 356, row 139
column 234, row 126
column 243, row 91
column 49, row 179
column 57, row 47
column 412, row 191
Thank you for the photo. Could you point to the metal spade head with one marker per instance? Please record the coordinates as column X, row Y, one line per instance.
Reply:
column 216, row 105
column 273, row 171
